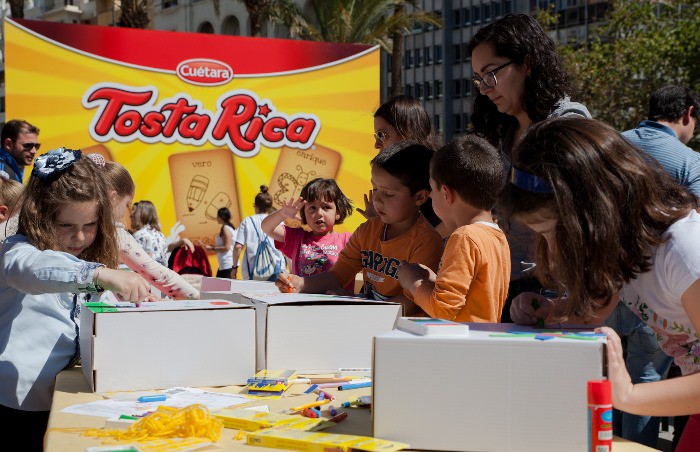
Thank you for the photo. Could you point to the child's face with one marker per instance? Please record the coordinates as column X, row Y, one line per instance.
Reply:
column 120, row 206
column 384, row 133
column 76, row 225
column 321, row 216
column 393, row 200
column 543, row 222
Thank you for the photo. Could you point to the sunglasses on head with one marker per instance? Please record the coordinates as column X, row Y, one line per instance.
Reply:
column 30, row 146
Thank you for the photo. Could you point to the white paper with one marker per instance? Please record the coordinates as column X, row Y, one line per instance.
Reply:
column 126, row 403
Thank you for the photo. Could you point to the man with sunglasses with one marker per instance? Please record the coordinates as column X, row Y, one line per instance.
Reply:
column 20, row 144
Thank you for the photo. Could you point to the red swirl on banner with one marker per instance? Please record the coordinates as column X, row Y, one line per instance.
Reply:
column 165, row 50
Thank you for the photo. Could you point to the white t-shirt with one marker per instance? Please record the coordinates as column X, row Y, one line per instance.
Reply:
column 655, row 296
column 225, row 258
column 247, row 235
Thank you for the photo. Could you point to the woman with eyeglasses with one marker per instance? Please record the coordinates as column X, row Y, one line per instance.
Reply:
column 403, row 118
column 520, row 80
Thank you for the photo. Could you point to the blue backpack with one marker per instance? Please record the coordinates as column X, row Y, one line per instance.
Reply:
column 267, row 265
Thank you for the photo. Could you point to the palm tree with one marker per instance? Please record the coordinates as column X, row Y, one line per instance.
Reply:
column 260, row 11
column 377, row 22
column 17, row 9
column 134, row 14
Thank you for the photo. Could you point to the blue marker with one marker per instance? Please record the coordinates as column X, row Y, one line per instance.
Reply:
column 152, row 398
column 347, row 387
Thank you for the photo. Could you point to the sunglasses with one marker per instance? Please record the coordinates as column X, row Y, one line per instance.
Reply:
column 380, row 136
column 30, row 146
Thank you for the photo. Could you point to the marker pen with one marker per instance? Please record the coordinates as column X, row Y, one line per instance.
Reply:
column 349, row 386
column 357, row 401
column 152, row 398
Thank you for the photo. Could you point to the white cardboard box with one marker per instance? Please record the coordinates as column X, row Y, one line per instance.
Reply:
column 231, row 289
column 483, row 393
column 166, row 344
column 318, row 333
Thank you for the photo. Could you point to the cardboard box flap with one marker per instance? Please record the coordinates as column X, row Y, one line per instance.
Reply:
column 271, row 298
column 108, row 302
column 234, row 285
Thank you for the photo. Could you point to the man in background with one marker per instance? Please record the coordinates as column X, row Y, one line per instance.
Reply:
column 20, row 143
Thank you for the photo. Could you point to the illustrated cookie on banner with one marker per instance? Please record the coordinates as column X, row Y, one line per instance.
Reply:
column 296, row 167
column 203, row 182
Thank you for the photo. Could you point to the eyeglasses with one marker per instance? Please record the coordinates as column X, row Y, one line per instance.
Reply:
column 30, row 146
column 489, row 78
column 380, row 136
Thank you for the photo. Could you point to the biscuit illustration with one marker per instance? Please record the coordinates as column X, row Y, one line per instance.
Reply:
column 203, row 182
column 296, row 167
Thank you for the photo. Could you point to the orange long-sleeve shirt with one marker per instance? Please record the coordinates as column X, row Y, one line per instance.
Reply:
column 472, row 283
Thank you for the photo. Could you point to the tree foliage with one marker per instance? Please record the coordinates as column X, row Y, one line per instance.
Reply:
column 375, row 22
column 134, row 14
column 640, row 46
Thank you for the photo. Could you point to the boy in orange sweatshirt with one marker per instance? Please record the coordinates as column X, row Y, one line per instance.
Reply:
column 471, row 285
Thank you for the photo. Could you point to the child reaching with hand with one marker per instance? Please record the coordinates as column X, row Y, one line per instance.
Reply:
column 613, row 228
column 399, row 232
column 66, row 244
column 466, row 177
column 322, row 205
column 121, row 190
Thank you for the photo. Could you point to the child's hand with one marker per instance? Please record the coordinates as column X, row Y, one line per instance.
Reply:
column 369, row 211
column 409, row 274
column 288, row 283
column 529, row 308
column 290, row 208
column 128, row 286
column 617, row 371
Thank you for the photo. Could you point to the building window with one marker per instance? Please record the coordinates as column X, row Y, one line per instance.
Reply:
column 389, row 63
column 428, row 89
column 418, row 58
column 467, row 85
column 437, row 123
column 457, row 18
column 169, row 4
column 497, row 10
column 466, row 16
column 428, row 56
column 486, row 12
column 437, row 90
column 466, row 121
column 457, row 51
column 457, row 88
column 509, row 6
column 408, row 89
column 465, row 51
column 457, row 122
column 419, row 92
column 438, row 54
column 476, row 14
column 408, row 59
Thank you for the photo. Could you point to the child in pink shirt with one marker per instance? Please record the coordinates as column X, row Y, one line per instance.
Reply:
column 321, row 205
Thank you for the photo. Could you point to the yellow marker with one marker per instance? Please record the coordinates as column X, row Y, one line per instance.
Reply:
column 310, row 405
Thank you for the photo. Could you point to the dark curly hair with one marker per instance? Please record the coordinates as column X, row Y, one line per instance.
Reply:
column 521, row 39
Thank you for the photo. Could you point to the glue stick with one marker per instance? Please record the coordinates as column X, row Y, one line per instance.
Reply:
column 600, row 416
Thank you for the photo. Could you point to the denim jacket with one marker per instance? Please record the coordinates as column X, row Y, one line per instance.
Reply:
column 38, row 331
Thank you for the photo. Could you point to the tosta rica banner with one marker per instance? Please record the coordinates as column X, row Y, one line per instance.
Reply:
column 200, row 121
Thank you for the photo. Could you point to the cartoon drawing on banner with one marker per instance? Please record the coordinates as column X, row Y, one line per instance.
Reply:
column 203, row 182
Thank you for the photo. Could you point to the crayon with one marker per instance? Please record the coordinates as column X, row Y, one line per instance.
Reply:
column 340, row 417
